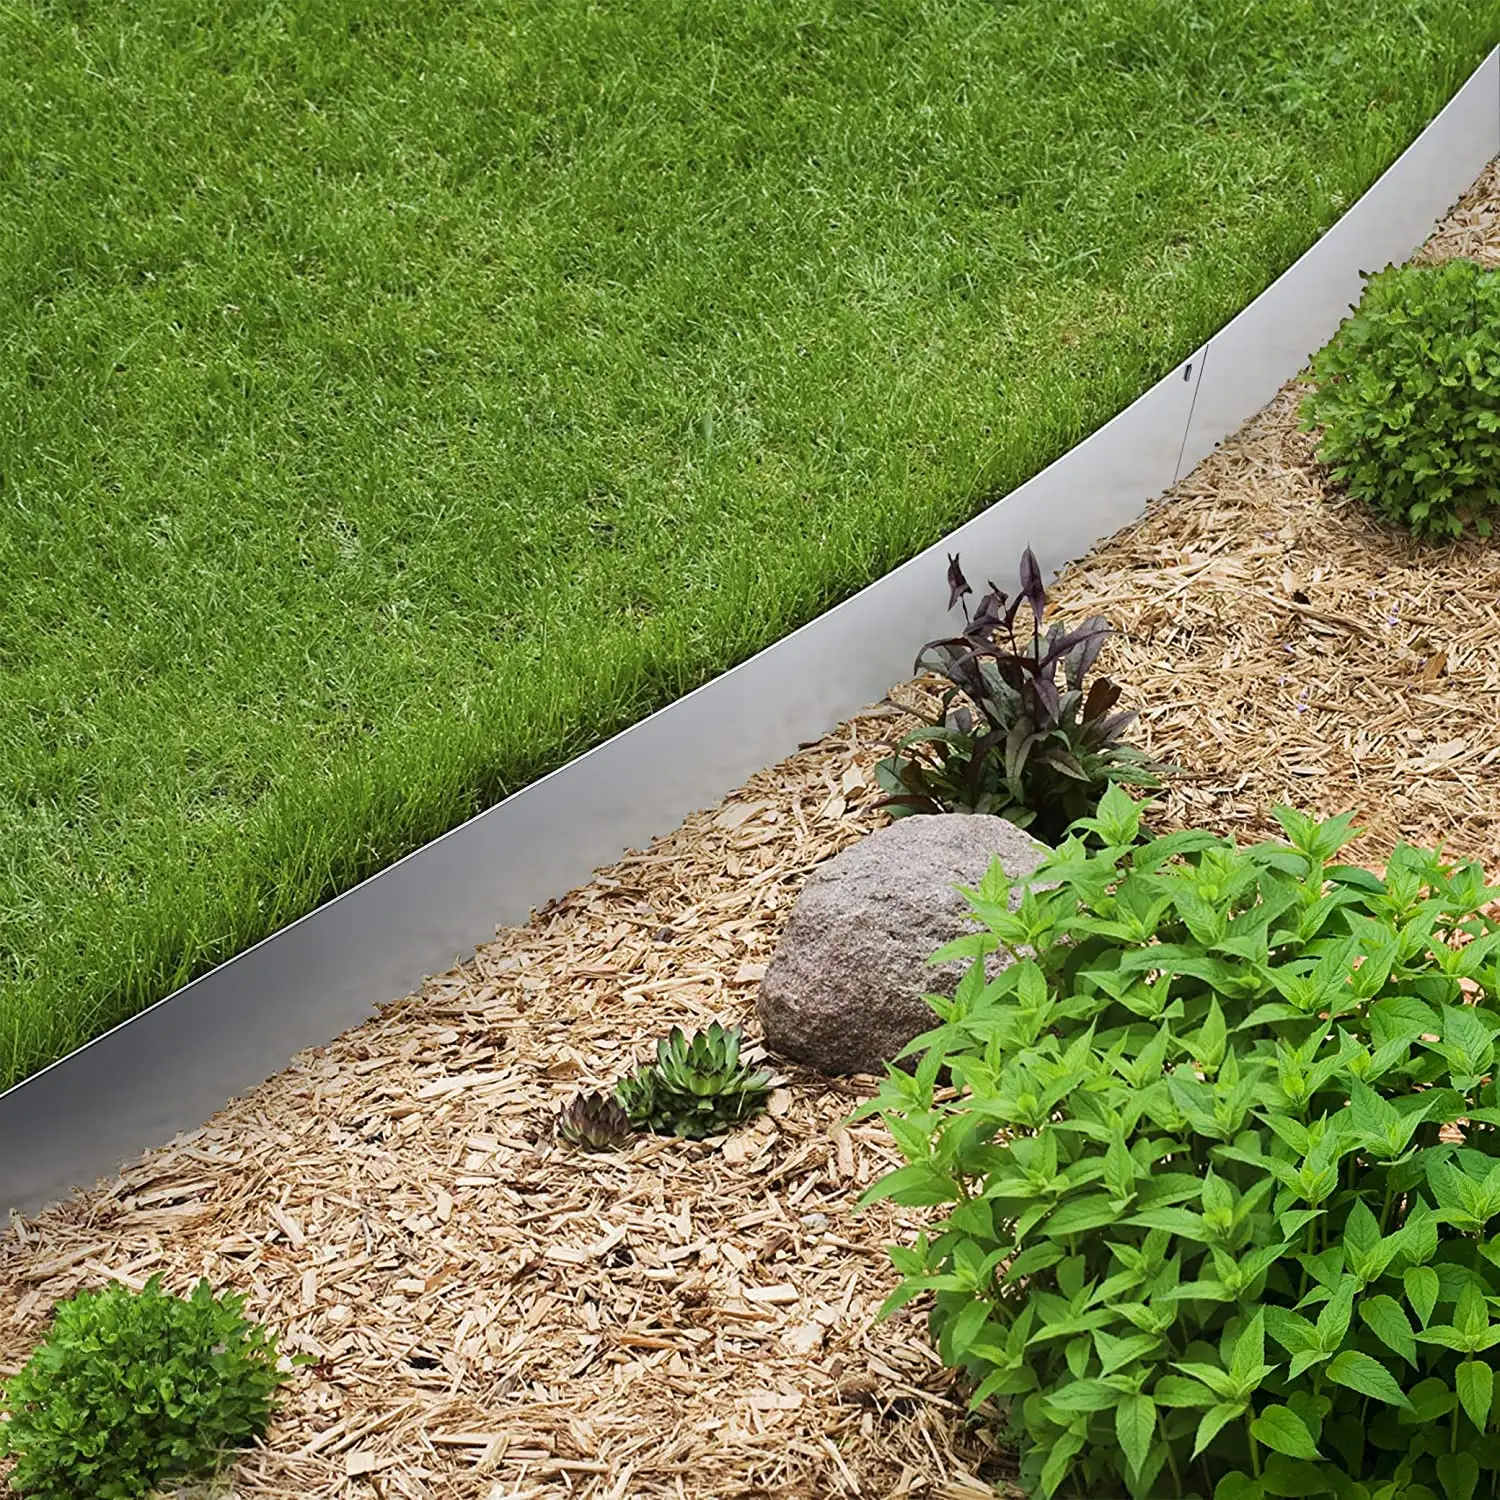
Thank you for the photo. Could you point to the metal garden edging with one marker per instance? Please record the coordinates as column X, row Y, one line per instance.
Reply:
column 1254, row 354
column 171, row 1067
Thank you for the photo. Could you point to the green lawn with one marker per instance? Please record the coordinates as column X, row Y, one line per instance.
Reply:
column 397, row 400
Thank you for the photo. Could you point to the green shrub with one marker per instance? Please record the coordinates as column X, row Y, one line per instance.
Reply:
column 130, row 1391
column 1407, row 394
column 1219, row 1157
column 696, row 1087
column 1008, row 738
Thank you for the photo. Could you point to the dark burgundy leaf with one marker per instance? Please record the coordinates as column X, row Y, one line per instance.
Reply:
column 962, row 669
column 987, row 615
column 1017, row 744
column 1031, row 586
column 923, row 804
column 1044, row 694
column 1103, row 696
column 946, row 649
column 1014, row 671
column 1107, row 730
column 1010, row 614
column 1095, row 633
column 1065, row 761
column 958, row 585
column 1060, row 643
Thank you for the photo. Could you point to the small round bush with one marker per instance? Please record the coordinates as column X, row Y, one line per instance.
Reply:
column 131, row 1391
column 1218, row 1165
column 1407, row 394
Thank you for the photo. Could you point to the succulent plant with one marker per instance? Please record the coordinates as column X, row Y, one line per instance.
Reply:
column 595, row 1122
column 696, row 1087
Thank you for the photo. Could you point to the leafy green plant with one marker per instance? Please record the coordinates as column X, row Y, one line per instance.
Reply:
column 1407, row 394
column 1220, row 1165
column 694, row 1088
column 132, row 1390
column 1007, row 737
column 595, row 1122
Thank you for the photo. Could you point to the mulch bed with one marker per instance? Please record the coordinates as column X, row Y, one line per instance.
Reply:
column 492, row 1314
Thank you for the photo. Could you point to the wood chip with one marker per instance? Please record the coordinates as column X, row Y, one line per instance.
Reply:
column 772, row 1294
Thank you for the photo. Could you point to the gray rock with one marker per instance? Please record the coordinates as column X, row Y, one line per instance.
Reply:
column 843, row 991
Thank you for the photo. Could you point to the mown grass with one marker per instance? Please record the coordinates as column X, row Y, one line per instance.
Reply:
column 397, row 400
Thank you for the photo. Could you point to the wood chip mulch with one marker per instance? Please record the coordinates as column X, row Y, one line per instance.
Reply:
column 490, row 1314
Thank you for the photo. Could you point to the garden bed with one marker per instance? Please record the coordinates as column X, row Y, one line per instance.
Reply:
column 491, row 1313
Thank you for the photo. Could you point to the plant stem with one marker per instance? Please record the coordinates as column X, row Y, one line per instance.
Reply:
column 1172, row 1465
column 1254, row 1446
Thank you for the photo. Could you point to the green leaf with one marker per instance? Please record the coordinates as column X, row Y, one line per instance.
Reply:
column 1037, row 1258
column 1361, row 1232
column 1178, row 1221
column 1295, row 1478
column 1213, row 1422
column 1249, row 1349
column 1208, row 1045
column 1475, row 1382
column 1362, row 1373
column 916, row 1186
column 1458, row 1473
column 1295, row 1220
column 1471, row 1316
column 1217, row 1195
column 1135, row 1424
column 1312, row 1409
column 1446, row 1336
column 1078, row 1214
column 967, row 1326
column 1333, row 1321
column 1177, row 1390
column 1220, row 1382
column 1198, row 1291
column 1387, row 1320
column 1291, row 1330
column 1283, row 1431
column 1370, row 1114
column 1115, row 1353
column 1304, row 1360
column 1083, row 1395
column 1059, row 1461
column 1421, row 1284
column 1238, row 1486
column 1431, row 1401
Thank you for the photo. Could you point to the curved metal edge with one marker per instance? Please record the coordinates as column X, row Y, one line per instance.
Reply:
column 171, row 1067
column 1256, row 353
